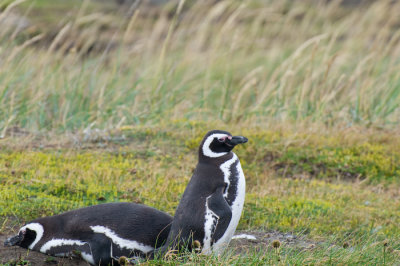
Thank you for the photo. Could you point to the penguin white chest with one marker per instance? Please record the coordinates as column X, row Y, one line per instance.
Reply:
column 235, row 195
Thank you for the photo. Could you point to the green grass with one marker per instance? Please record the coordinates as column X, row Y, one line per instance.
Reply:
column 371, row 252
column 330, row 211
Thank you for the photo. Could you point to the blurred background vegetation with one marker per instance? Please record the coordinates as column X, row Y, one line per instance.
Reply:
column 70, row 65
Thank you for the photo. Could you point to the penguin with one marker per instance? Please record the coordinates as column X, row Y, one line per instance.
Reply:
column 210, row 208
column 99, row 234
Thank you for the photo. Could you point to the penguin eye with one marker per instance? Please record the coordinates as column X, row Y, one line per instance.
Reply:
column 222, row 139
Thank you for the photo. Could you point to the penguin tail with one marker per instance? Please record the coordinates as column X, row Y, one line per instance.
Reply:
column 14, row 241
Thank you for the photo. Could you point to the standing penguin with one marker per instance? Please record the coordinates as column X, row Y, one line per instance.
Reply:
column 100, row 234
column 212, row 203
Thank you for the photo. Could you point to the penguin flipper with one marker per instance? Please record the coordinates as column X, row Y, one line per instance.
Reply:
column 101, row 250
column 220, row 207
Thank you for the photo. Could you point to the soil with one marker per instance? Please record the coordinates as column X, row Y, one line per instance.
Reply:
column 21, row 256
column 263, row 241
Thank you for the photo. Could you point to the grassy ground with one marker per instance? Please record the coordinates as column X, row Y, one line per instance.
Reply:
column 339, row 191
column 97, row 102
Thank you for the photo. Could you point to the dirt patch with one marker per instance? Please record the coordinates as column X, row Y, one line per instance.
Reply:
column 264, row 241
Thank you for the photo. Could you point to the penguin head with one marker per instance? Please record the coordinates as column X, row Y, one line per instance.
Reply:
column 217, row 143
column 24, row 238
column 28, row 236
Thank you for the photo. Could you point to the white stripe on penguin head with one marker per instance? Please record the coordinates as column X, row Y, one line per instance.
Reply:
column 206, row 146
column 38, row 228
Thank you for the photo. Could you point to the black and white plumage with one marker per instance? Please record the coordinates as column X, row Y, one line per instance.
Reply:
column 100, row 234
column 212, row 203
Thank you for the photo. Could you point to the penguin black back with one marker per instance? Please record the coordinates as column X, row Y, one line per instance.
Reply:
column 100, row 233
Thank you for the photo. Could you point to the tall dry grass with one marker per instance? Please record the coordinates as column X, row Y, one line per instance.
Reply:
column 250, row 62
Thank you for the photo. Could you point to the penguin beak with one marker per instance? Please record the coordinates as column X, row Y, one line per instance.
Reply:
column 15, row 240
column 236, row 140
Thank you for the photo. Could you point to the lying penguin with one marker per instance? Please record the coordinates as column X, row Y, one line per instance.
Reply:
column 100, row 234
column 211, row 206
